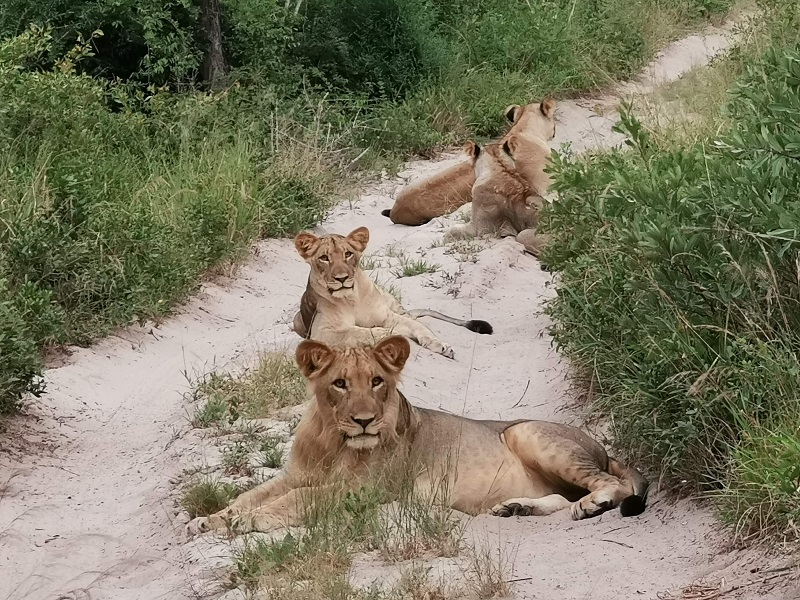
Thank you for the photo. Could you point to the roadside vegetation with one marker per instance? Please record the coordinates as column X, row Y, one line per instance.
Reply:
column 143, row 144
column 679, row 281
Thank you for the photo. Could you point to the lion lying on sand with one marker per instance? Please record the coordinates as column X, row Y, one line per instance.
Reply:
column 359, row 423
column 342, row 305
column 445, row 191
column 511, row 182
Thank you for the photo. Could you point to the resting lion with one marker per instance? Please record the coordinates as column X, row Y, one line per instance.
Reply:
column 440, row 194
column 510, row 180
column 359, row 425
column 342, row 305
column 445, row 191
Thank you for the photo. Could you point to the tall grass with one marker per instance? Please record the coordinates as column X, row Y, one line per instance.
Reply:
column 679, row 292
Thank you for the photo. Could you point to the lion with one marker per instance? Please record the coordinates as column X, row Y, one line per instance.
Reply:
column 440, row 194
column 342, row 305
column 359, row 424
column 447, row 190
column 511, row 181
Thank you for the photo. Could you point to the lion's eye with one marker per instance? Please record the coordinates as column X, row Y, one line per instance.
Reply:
column 348, row 254
column 324, row 258
column 376, row 381
column 340, row 383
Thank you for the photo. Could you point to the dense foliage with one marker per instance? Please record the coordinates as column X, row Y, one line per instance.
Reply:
column 679, row 295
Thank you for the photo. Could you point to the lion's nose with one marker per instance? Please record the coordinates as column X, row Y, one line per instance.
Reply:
column 340, row 278
column 363, row 422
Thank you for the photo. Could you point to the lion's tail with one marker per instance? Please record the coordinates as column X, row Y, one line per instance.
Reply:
column 635, row 503
column 387, row 213
column 475, row 325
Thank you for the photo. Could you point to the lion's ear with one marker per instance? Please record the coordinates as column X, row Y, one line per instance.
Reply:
column 548, row 107
column 512, row 113
column 313, row 358
column 472, row 149
column 510, row 145
column 359, row 238
column 392, row 353
column 306, row 244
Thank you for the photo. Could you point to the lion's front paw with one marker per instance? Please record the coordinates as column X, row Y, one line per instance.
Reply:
column 197, row 526
column 435, row 345
column 511, row 509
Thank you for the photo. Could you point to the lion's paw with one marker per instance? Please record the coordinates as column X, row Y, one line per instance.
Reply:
column 197, row 526
column 511, row 509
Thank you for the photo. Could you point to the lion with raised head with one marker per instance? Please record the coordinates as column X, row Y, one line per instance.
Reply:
column 342, row 305
column 360, row 424
column 511, row 181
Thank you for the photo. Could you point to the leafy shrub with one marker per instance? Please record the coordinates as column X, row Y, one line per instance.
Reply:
column 679, row 292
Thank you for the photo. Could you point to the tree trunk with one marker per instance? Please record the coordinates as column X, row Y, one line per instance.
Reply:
column 215, row 67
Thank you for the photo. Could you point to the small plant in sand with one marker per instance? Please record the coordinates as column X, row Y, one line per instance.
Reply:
column 464, row 250
column 270, row 452
column 211, row 414
column 236, row 458
column 274, row 383
column 205, row 497
column 369, row 262
column 410, row 268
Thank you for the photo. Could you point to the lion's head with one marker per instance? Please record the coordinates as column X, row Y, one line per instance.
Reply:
column 333, row 258
column 356, row 389
column 533, row 119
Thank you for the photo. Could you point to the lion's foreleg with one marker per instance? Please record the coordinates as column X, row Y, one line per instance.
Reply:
column 246, row 502
column 413, row 329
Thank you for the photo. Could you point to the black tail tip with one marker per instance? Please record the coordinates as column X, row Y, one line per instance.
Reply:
column 632, row 506
column 479, row 326
column 387, row 213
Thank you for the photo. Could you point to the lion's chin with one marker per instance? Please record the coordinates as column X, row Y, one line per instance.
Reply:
column 362, row 442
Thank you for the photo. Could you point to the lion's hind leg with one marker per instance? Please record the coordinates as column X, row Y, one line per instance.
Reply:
column 574, row 463
column 531, row 507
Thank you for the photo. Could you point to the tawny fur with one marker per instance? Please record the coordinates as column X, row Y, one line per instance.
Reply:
column 440, row 194
column 447, row 190
column 360, row 426
column 343, row 306
column 510, row 179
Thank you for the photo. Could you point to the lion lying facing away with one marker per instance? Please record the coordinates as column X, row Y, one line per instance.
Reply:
column 445, row 191
column 440, row 194
column 511, row 182
column 359, row 423
column 342, row 305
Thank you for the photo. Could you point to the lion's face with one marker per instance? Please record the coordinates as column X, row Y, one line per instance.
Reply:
column 355, row 387
column 333, row 259
column 537, row 119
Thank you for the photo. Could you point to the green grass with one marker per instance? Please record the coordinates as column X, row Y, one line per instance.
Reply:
column 207, row 497
column 412, row 268
column 274, row 383
column 677, row 295
column 270, row 452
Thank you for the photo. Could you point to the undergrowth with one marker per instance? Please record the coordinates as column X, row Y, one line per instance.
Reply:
column 679, row 291
column 272, row 384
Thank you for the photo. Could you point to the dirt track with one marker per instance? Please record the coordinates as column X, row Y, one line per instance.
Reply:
column 86, row 511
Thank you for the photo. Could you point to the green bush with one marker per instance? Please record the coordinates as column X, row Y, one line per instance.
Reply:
column 679, row 292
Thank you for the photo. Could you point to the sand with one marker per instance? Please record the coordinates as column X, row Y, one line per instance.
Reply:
column 87, row 476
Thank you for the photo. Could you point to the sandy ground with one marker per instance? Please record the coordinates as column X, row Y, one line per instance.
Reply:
column 87, row 494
